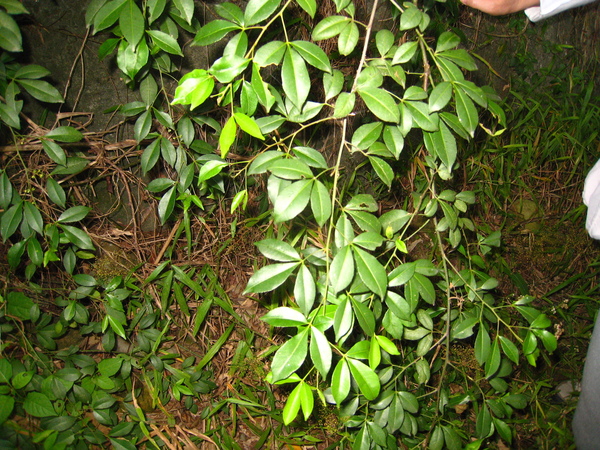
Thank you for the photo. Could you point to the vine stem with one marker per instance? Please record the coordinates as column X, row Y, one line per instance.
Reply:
column 363, row 56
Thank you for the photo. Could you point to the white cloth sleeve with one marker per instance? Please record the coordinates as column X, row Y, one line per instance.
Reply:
column 549, row 8
column 591, row 197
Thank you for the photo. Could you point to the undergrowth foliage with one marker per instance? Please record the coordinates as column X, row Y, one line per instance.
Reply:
column 387, row 312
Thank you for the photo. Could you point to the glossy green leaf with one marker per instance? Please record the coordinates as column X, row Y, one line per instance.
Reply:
column 329, row 27
column 483, row 345
column 270, row 53
column 214, row 31
column 186, row 9
column 108, row 15
column 419, row 112
column 37, row 404
column 483, row 424
column 313, row 55
column 258, row 10
column 7, row 403
column 55, row 152
column 155, row 9
column 320, row 351
column 348, row 38
column 366, row 135
column 446, row 41
column 343, row 319
column 6, row 190
column 365, row 377
column 295, row 78
column 492, row 363
column 410, row 18
column 380, row 103
column 466, row 111
column 370, row 271
column 131, row 22
column 290, row 169
column 65, row 134
column 226, row 68
column 248, row 125
column 311, row 157
column 270, row 277
column 290, row 356
column 443, row 143
column 165, row 42
column 292, row 200
column 332, row 84
column 292, row 405
column 263, row 162
column 341, row 271
column 340, row 381
column 11, row 218
column 74, row 214
column 320, row 203
column 459, row 57
column 509, row 349
column 344, row 105
column 33, row 217
column 194, row 88
column 364, row 316
column 309, row 6
column 305, row 289
column 383, row 170
column 10, row 34
column 166, row 205
column 278, row 250
column 284, row 317
column 41, row 90
column 405, row 52
column 440, row 96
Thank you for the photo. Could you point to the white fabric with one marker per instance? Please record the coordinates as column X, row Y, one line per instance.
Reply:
column 591, row 197
column 549, row 8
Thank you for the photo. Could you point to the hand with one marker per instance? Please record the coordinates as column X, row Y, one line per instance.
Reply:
column 500, row 7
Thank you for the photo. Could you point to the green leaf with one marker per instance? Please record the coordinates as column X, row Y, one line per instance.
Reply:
column 37, row 404
column 310, row 6
column 442, row 144
column 320, row 351
column 248, row 125
column 194, row 88
column 11, row 218
column 226, row 68
column 13, row 7
column 292, row 405
column 32, row 71
column 459, row 57
column 311, row 157
column 344, row 105
column 278, row 250
column 155, row 9
column 41, row 90
column 74, row 214
column 263, row 162
column 284, row 317
column 348, row 38
column 384, row 39
column 270, row 53
column 366, row 135
column 466, row 111
column 54, row 152
column 405, row 52
column 340, row 381
column 410, row 18
column 6, row 191
column 7, row 403
column 9, row 115
column 214, row 31
column 259, row 10
column 131, row 22
column 492, row 364
column 440, row 96
column 343, row 319
column 186, row 8
column 341, row 271
column 368, row 240
column 333, row 83
column 483, row 345
column 320, row 203
column 142, row 126
column 295, row 78
column 78, row 237
column 329, row 27
column 150, row 155
column 364, row 316
column 509, row 349
column 227, row 136
column 108, row 14
column 383, row 170
column 290, row 356
column 371, row 272
column 446, row 41
column 270, row 277
column 419, row 112
column 305, row 289
column 292, row 200
column 10, row 34
column 167, row 204
column 165, row 42
column 33, row 216
column 483, row 425
column 380, row 103
column 313, row 55
column 365, row 377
